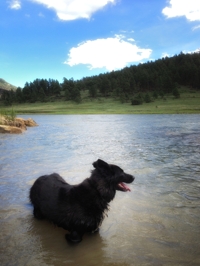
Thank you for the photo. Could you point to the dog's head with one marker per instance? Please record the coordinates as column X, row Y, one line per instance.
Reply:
column 112, row 177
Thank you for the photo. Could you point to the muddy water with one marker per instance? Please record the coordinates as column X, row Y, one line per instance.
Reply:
column 157, row 223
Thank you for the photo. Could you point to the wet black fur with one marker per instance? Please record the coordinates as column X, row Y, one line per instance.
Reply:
column 77, row 208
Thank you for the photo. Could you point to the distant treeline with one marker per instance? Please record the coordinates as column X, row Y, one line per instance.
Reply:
column 133, row 83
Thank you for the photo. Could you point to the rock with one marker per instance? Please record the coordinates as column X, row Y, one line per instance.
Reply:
column 18, row 122
column 2, row 120
column 10, row 129
column 30, row 123
column 18, row 125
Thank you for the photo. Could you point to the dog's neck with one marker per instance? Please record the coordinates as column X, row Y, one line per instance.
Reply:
column 100, row 185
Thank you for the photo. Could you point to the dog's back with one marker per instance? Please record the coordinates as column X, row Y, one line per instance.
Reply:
column 45, row 187
column 44, row 195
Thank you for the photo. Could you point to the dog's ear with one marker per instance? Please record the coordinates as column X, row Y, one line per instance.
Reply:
column 101, row 165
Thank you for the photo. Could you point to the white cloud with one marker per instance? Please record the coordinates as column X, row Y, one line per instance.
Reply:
column 41, row 15
column 111, row 53
column 192, row 52
column 165, row 55
column 74, row 9
column 196, row 27
column 15, row 4
column 188, row 8
column 131, row 40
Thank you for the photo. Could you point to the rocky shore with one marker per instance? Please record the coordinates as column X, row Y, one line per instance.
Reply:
column 16, row 126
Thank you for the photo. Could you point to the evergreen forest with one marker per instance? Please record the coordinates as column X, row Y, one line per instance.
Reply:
column 133, row 84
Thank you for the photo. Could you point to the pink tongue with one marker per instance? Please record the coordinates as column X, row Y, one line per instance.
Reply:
column 122, row 185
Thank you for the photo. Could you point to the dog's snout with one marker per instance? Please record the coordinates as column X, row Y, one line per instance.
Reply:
column 130, row 178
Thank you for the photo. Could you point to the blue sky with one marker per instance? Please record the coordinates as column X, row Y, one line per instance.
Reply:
column 80, row 38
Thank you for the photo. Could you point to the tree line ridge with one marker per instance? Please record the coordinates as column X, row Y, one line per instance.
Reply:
column 132, row 83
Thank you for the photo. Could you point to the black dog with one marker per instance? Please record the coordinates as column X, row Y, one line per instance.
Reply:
column 78, row 208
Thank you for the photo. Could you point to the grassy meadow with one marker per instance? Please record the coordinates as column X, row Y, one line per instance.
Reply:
column 189, row 102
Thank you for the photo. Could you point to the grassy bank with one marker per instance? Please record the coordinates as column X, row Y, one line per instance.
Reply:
column 188, row 103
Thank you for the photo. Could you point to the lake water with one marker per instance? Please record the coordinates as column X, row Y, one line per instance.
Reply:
column 157, row 223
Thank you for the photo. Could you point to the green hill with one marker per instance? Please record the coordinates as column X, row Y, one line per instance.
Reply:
column 6, row 86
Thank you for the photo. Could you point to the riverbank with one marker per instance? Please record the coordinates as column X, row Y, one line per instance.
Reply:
column 15, row 125
column 189, row 103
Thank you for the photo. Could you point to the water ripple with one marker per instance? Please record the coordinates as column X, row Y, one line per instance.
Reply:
column 156, row 224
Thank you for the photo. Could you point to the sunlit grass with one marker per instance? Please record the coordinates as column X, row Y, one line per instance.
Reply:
column 188, row 103
column 7, row 114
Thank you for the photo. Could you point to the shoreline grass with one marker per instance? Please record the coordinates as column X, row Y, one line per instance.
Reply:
column 189, row 103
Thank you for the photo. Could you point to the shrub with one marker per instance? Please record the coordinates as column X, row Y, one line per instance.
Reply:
column 147, row 98
column 155, row 95
column 10, row 116
column 137, row 100
column 176, row 93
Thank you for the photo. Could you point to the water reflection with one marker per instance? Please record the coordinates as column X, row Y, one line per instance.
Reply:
column 156, row 224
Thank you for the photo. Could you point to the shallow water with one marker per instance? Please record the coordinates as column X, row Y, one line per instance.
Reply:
column 157, row 223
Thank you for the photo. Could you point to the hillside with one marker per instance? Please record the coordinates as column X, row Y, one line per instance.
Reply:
column 134, row 85
column 6, row 86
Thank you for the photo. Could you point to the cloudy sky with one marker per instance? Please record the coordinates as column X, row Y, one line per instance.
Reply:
column 79, row 38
